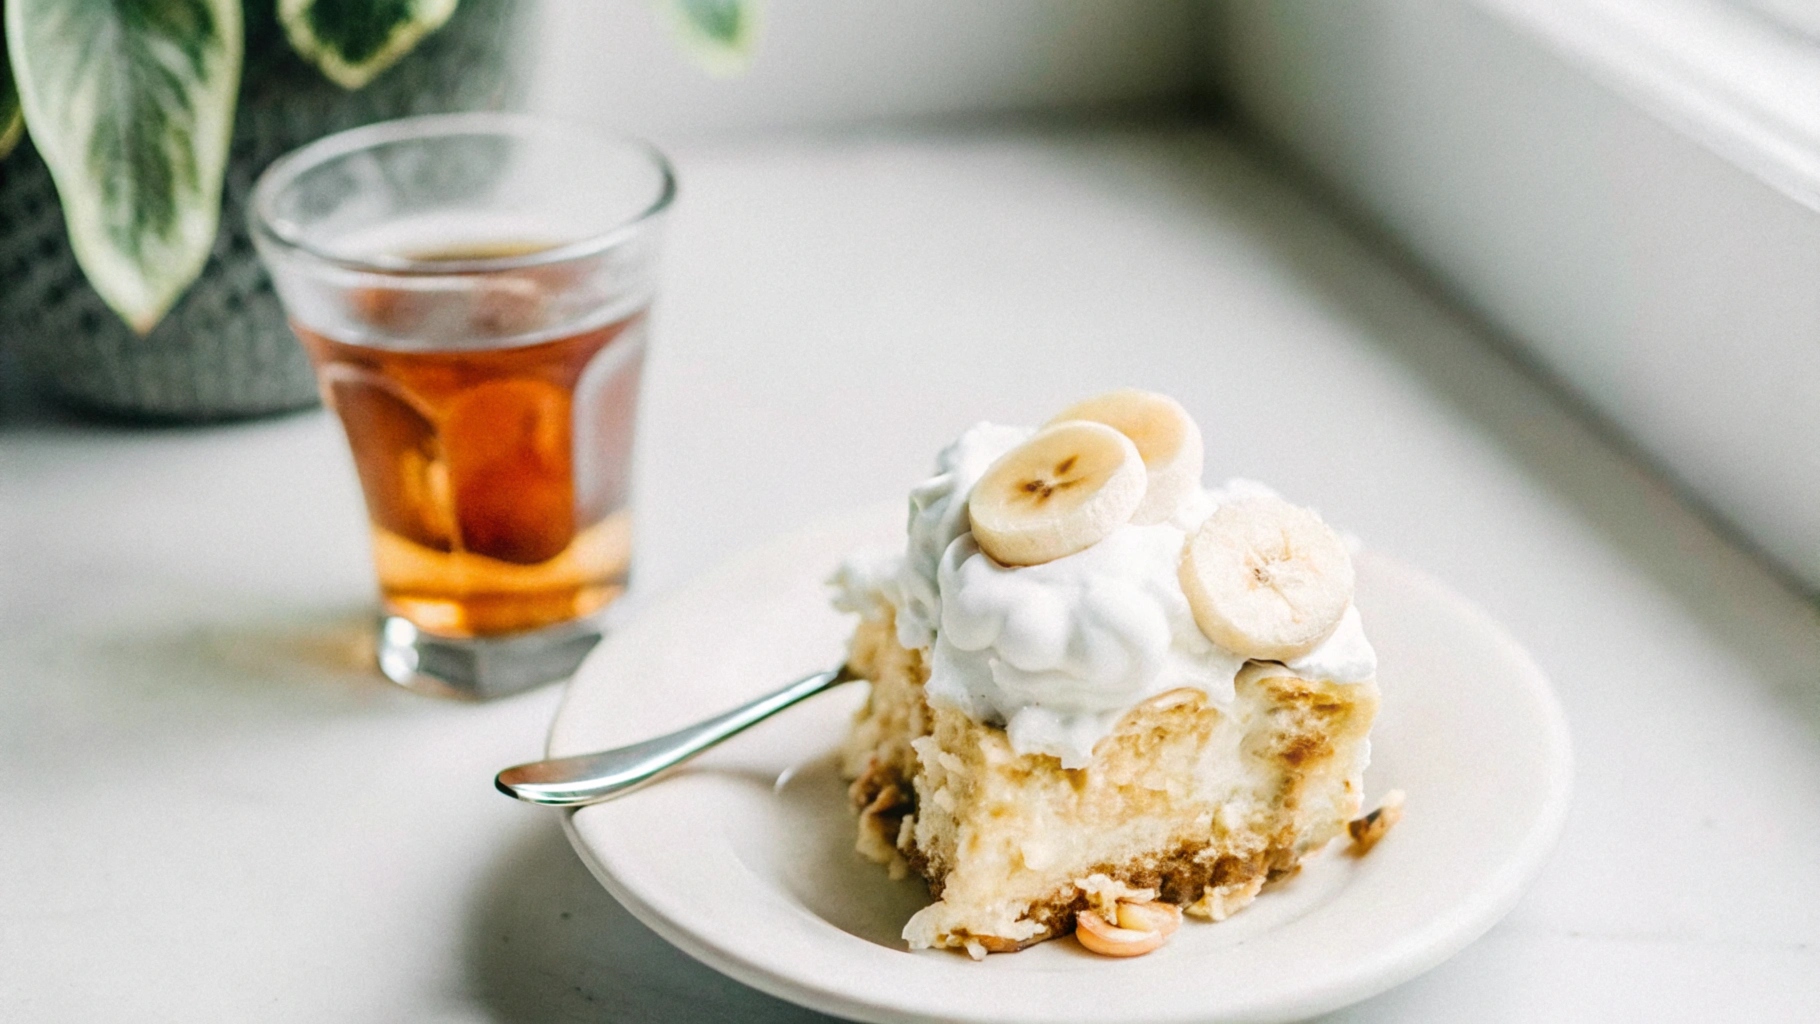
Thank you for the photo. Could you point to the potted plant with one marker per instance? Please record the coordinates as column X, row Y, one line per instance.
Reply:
column 132, row 132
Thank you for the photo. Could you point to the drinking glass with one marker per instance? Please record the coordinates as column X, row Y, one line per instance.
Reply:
column 472, row 290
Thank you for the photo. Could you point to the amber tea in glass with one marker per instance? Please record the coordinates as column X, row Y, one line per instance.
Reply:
column 473, row 292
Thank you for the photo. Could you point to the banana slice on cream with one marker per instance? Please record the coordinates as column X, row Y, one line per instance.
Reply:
column 1166, row 437
column 1266, row 579
column 1059, row 492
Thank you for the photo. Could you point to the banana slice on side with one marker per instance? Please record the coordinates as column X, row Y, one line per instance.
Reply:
column 1166, row 437
column 1266, row 579
column 1061, row 491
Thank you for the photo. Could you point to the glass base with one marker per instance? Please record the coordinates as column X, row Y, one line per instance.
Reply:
column 482, row 668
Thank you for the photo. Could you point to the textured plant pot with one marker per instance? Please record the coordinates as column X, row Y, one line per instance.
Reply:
column 224, row 351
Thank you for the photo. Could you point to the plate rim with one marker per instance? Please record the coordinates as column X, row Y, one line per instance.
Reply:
column 1408, row 957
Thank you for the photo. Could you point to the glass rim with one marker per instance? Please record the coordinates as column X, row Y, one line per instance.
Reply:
column 285, row 171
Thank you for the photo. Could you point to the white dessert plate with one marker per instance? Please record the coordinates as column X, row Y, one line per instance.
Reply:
column 745, row 858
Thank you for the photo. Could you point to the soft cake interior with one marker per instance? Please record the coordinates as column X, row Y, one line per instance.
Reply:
column 1202, row 804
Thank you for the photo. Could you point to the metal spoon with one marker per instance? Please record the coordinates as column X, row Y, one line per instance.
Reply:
column 591, row 778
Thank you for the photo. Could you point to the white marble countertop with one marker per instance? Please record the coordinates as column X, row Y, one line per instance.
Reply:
column 212, row 810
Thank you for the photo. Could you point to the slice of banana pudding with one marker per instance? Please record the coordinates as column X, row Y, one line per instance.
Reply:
column 1099, row 691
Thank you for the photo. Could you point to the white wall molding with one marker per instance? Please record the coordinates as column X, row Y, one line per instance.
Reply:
column 1671, row 281
column 1743, row 85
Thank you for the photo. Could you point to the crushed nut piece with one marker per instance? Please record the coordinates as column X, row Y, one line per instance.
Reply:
column 1366, row 831
column 1129, row 927
column 1153, row 916
column 1099, row 936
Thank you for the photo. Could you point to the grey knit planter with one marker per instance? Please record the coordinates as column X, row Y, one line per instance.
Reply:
column 225, row 351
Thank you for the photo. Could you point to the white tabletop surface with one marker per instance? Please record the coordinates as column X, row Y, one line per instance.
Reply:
column 212, row 809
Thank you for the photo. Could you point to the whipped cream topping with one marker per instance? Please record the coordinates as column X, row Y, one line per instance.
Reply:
column 1058, row 652
column 1344, row 657
column 938, row 515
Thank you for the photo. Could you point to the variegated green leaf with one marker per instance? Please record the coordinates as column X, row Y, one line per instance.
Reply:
column 130, row 103
column 12, row 119
column 717, row 34
column 354, row 40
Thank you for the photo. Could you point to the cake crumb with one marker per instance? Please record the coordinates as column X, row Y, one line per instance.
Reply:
column 1219, row 902
column 1104, row 892
column 880, row 826
column 1366, row 831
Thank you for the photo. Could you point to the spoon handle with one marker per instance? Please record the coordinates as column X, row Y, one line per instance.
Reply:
column 591, row 778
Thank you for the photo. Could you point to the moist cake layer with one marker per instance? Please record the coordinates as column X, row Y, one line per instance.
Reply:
column 1201, row 803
